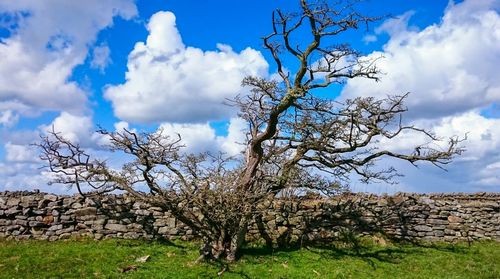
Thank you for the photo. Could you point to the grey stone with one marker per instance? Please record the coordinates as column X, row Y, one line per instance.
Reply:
column 86, row 217
column 423, row 228
column 12, row 228
column 160, row 223
column 21, row 222
column 455, row 219
column 13, row 202
column 12, row 211
column 53, row 205
column 131, row 235
column 39, row 212
column 437, row 222
column 446, row 217
column 163, row 230
column 100, row 221
column 426, row 200
column 135, row 227
column 81, row 226
column 65, row 236
column 65, row 218
column 27, row 201
column 116, row 227
column 85, row 211
column 49, row 197
column 171, row 222
column 439, row 233
column 76, row 205
column 55, row 227
column 140, row 205
column 382, row 202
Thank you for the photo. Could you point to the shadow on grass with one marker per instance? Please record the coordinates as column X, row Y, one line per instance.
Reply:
column 456, row 248
column 384, row 254
column 393, row 253
column 158, row 241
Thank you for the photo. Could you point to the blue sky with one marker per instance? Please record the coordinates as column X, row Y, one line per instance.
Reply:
column 145, row 64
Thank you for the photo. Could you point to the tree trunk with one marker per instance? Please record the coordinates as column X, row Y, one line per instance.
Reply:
column 236, row 243
column 225, row 246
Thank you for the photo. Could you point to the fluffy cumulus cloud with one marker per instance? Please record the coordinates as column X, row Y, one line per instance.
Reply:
column 168, row 81
column 450, row 70
column 46, row 40
column 75, row 128
column 202, row 137
column 15, row 176
column 42, row 42
column 22, row 167
column 20, row 153
column 474, row 170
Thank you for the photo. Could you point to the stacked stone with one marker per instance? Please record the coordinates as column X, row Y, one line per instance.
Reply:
column 25, row 215
column 434, row 217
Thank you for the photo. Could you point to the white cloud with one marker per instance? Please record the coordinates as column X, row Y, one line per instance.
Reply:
column 122, row 125
column 100, row 57
column 20, row 153
column 8, row 118
column 483, row 135
column 475, row 170
column 369, row 39
column 79, row 129
column 21, row 169
column 167, row 81
column 235, row 141
column 47, row 40
column 15, row 176
column 22, row 166
column 35, row 83
column 449, row 68
column 398, row 25
column 202, row 137
column 490, row 175
column 196, row 137
column 74, row 128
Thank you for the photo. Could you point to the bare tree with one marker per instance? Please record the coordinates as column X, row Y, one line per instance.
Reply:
column 296, row 139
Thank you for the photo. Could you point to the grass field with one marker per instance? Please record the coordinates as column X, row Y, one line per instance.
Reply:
column 112, row 259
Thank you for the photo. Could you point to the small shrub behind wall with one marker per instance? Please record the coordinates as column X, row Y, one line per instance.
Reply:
column 434, row 217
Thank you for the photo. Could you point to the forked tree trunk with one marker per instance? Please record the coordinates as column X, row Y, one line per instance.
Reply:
column 237, row 242
column 225, row 246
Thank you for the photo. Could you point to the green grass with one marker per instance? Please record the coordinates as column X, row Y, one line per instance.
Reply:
column 106, row 259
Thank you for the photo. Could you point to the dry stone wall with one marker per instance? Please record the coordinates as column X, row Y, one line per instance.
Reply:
column 434, row 217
